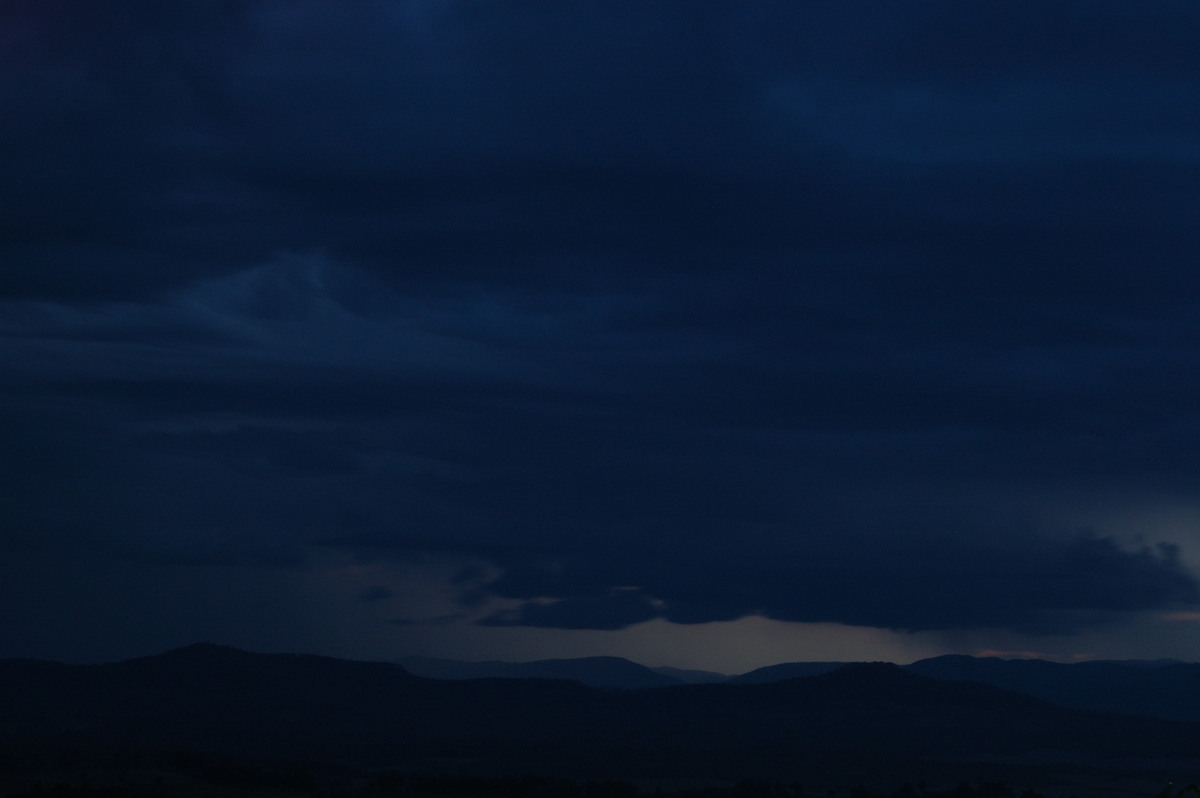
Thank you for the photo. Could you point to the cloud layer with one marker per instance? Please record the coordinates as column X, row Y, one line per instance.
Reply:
column 677, row 310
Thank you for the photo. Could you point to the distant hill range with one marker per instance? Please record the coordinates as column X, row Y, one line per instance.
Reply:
column 786, row 670
column 1164, row 688
column 1159, row 688
column 614, row 672
column 865, row 721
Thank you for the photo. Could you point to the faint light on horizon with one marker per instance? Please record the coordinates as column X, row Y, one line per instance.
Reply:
column 1180, row 617
column 1005, row 654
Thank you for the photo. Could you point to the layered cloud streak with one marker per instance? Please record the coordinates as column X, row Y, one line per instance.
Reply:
column 690, row 311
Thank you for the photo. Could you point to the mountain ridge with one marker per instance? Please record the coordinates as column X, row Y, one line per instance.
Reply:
column 377, row 714
column 612, row 672
column 1163, row 688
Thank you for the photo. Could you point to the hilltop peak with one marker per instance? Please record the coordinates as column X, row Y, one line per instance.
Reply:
column 200, row 651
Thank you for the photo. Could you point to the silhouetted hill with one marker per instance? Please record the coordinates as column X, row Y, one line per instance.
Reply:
column 1164, row 688
column 613, row 672
column 785, row 670
column 879, row 706
column 1159, row 688
column 869, row 717
column 692, row 676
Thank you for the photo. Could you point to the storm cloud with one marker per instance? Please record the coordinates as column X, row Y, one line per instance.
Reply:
column 692, row 311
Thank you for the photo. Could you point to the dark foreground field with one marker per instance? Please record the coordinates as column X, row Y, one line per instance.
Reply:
column 209, row 720
column 95, row 773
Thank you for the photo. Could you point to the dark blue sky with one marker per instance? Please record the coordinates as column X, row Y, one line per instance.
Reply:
column 664, row 329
